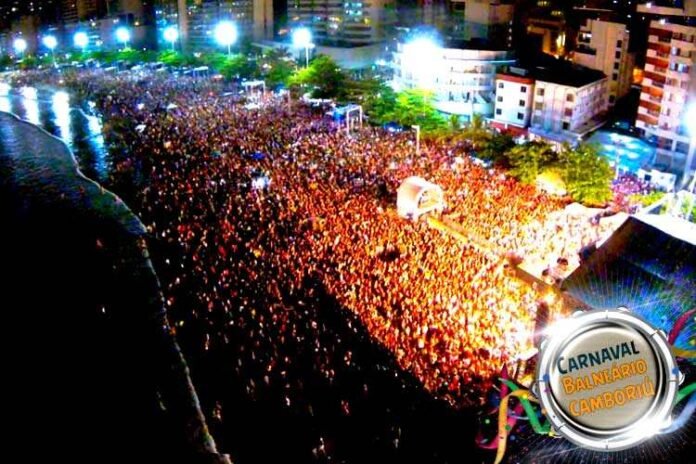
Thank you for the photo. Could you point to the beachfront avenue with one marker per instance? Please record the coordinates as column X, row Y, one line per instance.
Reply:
column 275, row 235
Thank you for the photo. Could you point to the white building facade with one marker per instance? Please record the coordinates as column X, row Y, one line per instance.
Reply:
column 565, row 111
column 514, row 95
column 558, row 105
column 462, row 80
column 603, row 46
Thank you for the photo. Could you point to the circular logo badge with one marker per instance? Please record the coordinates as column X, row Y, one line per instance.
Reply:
column 606, row 380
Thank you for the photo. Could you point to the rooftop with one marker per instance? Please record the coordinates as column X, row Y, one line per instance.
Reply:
column 546, row 68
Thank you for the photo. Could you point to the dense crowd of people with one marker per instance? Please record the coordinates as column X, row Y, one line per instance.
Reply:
column 243, row 259
column 627, row 185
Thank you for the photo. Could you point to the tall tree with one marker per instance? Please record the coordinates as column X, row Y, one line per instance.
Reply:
column 586, row 173
column 276, row 67
column 415, row 107
column 529, row 160
column 476, row 131
column 324, row 77
column 497, row 147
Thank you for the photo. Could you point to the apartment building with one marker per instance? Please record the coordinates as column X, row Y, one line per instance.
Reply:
column 559, row 103
column 514, row 95
column 603, row 45
column 462, row 80
column 668, row 92
column 344, row 24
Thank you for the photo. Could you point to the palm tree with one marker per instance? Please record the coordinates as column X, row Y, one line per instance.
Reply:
column 476, row 131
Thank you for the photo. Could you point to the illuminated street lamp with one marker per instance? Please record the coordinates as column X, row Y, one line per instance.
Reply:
column 123, row 36
column 226, row 35
column 417, row 128
column 19, row 45
column 421, row 56
column 51, row 43
column 171, row 35
column 81, row 40
column 302, row 38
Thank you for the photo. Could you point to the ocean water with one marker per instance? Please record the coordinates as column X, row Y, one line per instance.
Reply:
column 72, row 121
column 95, row 373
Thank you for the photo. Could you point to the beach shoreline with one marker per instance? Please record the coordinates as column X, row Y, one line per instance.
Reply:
column 43, row 160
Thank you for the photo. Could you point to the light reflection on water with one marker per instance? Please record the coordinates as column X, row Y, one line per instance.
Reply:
column 5, row 104
column 52, row 111
column 31, row 105
column 61, row 109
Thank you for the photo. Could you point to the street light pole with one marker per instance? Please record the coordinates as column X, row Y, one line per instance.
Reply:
column 302, row 37
column 226, row 35
column 417, row 128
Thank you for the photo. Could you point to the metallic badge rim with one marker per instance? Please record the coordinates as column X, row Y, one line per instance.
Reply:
column 659, row 412
column 654, row 402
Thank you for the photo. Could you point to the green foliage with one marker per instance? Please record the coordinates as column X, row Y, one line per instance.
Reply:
column 380, row 106
column 586, row 173
column 476, row 131
column 175, row 58
column 29, row 62
column 5, row 61
column 453, row 123
column 529, row 160
column 495, row 147
column 364, row 91
column 647, row 199
column 323, row 77
column 276, row 67
column 689, row 210
column 238, row 66
column 408, row 108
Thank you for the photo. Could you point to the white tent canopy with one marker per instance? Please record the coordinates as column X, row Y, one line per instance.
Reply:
column 416, row 196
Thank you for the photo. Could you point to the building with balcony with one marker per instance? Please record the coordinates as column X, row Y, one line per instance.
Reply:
column 487, row 21
column 668, row 91
column 558, row 102
column 462, row 79
column 603, row 46
column 344, row 24
column 202, row 16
